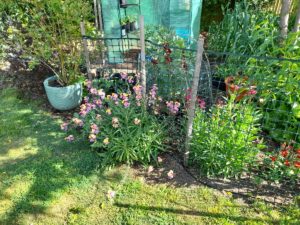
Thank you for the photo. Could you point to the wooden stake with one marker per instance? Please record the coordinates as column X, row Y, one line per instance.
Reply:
column 86, row 51
column 143, row 55
column 100, row 15
column 192, row 103
column 96, row 14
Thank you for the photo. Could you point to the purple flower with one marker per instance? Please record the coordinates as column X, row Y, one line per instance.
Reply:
column 123, row 75
column 153, row 91
column 70, row 138
column 173, row 106
column 86, row 99
column 130, row 80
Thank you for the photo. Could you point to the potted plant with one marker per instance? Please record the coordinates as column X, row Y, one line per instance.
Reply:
column 123, row 27
column 123, row 3
column 53, row 39
column 127, row 23
column 133, row 24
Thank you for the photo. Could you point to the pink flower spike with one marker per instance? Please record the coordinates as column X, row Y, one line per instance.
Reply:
column 123, row 75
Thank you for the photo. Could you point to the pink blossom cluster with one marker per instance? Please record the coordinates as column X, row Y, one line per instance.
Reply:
column 173, row 106
column 70, row 138
column 77, row 122
column 138, row 89
column 86, row 108
column 93, row 133
column 125, row 99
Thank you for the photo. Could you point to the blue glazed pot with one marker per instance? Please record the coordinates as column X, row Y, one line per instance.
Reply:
column 63, row 98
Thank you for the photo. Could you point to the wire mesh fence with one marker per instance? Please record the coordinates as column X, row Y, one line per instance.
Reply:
column 247, row 121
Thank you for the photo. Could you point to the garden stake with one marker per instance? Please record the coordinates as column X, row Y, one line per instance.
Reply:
column 86, row 51
column 192, row 103
column 143, row 57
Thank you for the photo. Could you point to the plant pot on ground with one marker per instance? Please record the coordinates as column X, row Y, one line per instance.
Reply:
column 56, row 42
column 63, row 98
column 133, row 25
column 123, row 30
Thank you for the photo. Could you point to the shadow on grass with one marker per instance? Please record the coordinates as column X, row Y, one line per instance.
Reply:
column 194, row 213
column 50, row 171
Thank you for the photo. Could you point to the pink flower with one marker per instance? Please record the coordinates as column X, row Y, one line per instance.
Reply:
column 93, row 91
column 201, row 103
column 64, row 126
column 94, row 129
column 92, row 138
column 173, row 106
column 70, row 138
column 126, row 103
column 171, row 174
column 78, row 122
column 124, row 96
column 101, row 94
column 114, row 96
column 252, row 92
column 123, row 75
column 98, row 102
column 153, row 91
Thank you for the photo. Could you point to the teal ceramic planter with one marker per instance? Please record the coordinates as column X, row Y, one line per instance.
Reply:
column 63, row 98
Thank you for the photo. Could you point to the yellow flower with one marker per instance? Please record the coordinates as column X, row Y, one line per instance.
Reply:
column 106, row 141
column 108, row 111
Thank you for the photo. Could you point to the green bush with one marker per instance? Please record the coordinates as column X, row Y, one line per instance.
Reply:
column 225, row 140
column 47, row 32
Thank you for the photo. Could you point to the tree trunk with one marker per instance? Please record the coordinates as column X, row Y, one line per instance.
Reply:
column 297, row 21
column 284, row 17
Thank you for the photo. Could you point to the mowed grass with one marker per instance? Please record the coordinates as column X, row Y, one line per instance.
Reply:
column 44, row 180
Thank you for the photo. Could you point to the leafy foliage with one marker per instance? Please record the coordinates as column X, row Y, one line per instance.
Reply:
column 119, row 126
column 47, row 32
column 225, row 140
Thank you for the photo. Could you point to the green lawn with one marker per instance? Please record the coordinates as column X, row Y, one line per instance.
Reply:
column 44, row 180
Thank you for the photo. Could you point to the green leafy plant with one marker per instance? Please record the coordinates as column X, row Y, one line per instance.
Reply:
column 119, row 126
column 225, row 140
